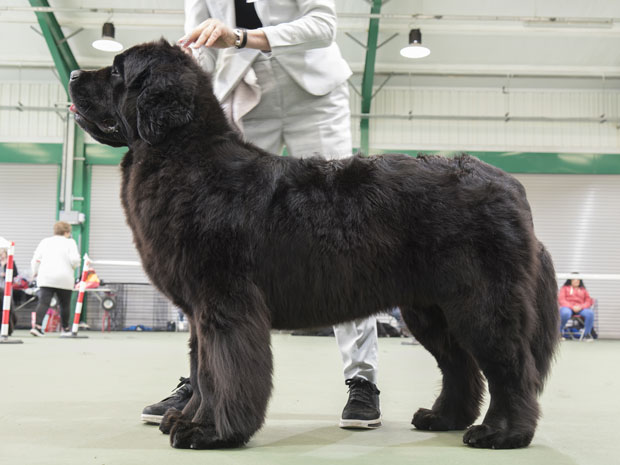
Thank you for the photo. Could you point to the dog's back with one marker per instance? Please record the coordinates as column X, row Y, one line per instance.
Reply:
column 379, row 231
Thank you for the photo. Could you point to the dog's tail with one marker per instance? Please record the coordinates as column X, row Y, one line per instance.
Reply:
column 547, row 330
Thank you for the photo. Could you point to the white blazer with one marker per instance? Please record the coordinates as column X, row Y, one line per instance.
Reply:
column 301, row 34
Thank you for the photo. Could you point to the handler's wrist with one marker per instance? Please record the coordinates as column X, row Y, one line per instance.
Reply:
column 241, row 37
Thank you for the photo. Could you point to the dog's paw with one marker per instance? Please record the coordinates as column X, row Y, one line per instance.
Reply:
column 188, row 435
column 489, row 437
column 171, row 416
column 431, row 420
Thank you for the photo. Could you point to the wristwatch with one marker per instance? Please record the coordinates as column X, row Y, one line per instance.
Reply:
column 241, row 37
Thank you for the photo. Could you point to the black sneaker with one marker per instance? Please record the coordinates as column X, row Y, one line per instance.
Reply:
column 362, row 409
column 37, row 331
column 178, row 399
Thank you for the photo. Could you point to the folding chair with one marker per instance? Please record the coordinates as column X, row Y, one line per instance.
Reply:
column 576, row 328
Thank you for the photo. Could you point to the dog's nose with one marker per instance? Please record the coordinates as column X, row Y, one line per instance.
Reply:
column 75, row 74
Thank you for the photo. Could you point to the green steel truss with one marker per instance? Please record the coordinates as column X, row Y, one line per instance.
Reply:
column 65, row 62
column 59, row 48
column 369, row 75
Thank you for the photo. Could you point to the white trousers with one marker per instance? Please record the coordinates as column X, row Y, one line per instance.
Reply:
column 307, row 125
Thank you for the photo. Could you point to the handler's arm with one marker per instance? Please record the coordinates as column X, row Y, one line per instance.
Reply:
column 315, row 28
column 196, row 12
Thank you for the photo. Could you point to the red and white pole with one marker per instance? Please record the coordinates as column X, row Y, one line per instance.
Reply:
column 80, row 299
column 8, row 289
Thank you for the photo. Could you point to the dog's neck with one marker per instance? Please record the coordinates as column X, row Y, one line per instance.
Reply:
column 209, row 117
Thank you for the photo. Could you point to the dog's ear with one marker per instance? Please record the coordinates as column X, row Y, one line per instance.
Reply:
column 166, row 101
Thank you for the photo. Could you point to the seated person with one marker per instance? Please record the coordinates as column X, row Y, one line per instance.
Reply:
column 575, row 300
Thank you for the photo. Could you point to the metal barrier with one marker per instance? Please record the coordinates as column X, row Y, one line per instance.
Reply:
column 130, row 306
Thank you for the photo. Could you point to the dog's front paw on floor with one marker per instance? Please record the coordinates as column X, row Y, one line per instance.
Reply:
column 490, row 437
column 431, row 420
column 169, row 419
column 188, row 435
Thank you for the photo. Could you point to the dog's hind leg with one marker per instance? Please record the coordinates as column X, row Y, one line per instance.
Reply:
column 172, row 415
column 458, row 404
column 501, row 348
column 544, row 337
column 234, row 370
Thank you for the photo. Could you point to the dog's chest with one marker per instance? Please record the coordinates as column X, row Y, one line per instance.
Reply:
column 148, row 200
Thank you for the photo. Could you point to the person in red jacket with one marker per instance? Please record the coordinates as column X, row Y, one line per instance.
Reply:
column 575, row 300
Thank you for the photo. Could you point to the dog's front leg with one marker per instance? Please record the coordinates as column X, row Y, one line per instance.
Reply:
column 233, row 372
column 173, row 415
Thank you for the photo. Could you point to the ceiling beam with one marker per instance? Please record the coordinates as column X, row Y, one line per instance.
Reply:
column 56, row 42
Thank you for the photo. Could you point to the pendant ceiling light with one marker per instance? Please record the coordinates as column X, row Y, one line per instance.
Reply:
column 107, row 43
column 415, row 49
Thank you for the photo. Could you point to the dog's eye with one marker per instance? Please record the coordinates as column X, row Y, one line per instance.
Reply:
column 115, row 71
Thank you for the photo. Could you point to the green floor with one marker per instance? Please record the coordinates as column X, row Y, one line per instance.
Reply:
column 79, row 402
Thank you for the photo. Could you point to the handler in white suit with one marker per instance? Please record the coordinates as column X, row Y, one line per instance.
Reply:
column 283, row 82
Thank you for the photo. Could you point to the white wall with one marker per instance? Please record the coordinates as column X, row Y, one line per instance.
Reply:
column 27, row 208
column 427, row 134
column 32, row 126
column 110, row 236
column 416, row 134
column 577, row 218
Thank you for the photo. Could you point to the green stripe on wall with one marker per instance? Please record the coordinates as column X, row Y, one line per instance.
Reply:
column 553, row 163
column 98, row 154
column 23, row 152
column 513, row 162
column 541, row 162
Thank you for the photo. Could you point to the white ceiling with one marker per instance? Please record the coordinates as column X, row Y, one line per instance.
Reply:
column 542, row 43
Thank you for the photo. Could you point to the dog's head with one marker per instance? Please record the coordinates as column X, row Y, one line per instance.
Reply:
column 148, row 91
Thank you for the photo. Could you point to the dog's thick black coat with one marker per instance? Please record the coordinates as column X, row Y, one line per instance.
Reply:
column 245, row 241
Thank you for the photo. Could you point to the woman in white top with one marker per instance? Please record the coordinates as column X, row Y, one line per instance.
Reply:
column 53, row 265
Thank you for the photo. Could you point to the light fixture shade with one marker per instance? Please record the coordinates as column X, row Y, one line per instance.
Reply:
column 415, row 49
column 107, row 43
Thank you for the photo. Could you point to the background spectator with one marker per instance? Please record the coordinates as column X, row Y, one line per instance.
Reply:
column 53, row 265
column 575, row 300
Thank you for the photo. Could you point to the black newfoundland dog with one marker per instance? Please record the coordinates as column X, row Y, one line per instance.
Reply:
column 245, row 241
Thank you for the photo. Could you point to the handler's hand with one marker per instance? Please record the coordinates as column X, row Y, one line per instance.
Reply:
column 210, row 33
column 577, row 308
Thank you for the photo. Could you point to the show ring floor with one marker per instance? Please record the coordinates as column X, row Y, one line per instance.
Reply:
column 79, row 402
